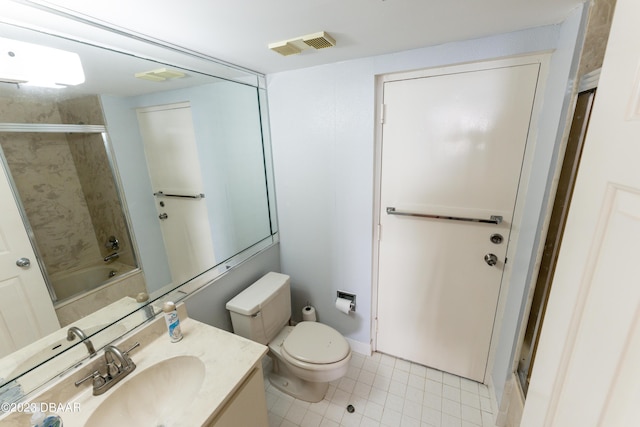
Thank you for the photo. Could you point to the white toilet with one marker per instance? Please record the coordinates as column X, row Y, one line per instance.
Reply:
column 306, row 357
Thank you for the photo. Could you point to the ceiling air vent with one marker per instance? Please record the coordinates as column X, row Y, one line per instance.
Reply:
column 319, row 40
column 285, row 48
column 160, row 75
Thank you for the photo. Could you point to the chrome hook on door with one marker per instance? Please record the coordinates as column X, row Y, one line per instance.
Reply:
column 491, row 259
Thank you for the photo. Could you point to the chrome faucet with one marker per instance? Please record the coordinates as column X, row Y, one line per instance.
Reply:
column 75, row 331
column 118, row 365
column 113, row 243
column 112, row 257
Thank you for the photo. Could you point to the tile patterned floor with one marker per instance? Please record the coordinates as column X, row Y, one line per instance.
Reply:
column 386, row 391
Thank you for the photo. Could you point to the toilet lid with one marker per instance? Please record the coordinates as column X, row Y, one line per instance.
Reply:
column 313, row 342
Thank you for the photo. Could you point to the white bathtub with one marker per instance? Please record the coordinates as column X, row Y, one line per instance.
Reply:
column 72, row 283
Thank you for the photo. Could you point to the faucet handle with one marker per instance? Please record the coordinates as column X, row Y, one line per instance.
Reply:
column 96, row 376
column 133, row 347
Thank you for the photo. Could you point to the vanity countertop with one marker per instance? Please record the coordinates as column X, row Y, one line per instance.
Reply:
column 229, row 359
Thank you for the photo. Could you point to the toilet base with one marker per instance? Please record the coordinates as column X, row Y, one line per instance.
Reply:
column 284, row 380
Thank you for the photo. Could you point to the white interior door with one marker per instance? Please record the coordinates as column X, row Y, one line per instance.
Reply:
column 26, row 310
column 587, row 372
column 452, row 151
column 174, row 168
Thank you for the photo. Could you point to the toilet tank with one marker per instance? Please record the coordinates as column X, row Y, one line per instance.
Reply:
column 263, row 309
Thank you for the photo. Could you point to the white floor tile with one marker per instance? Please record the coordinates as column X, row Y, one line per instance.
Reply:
column 412, row 409
column 334, row 412
column 408, row 421
column 394, row 402
column 311, row 419
column 416, row 381
column 367, row 377
column 431, row 416
column 397, row 388
column 468, row 385
column 451, row 380
column 414, row 395
column 450, row 407
column 432, row 401
column 485, row 404
column 369, row 422
column 319, row 407
column 391, row 418
column 374, row 410
column 451, row 421
column 470, row 399
column 378, row 396
column 326, row 422
column 472, row 415
column 389, row 392
column 434, row 375
column 418, row 370
column 433, row 387
column 295, row 414
column 403, row 365
column 400, row 376
column 451, row 393
column 362, row 389
column 347, row 385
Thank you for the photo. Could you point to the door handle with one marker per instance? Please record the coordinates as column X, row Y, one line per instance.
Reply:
column 491, row 259
column 163, row 215
column 23, row 262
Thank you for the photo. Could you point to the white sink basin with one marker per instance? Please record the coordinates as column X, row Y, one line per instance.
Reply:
column 155, row 396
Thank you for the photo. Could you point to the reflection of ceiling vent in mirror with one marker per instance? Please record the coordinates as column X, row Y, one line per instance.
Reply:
column 319, row 40
column 160, row 75
column 285, row 48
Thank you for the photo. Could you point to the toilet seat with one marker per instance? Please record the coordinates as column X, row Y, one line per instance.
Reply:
column 310, row 345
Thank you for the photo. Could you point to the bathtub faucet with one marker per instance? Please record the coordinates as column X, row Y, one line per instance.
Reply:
column 112, row 257
column 75, row 331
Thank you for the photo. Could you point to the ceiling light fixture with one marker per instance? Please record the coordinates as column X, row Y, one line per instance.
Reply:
column 36, row 65
column 320, row 40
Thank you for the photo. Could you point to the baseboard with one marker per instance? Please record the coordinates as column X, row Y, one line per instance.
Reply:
column 359, row 347
column 512, row 405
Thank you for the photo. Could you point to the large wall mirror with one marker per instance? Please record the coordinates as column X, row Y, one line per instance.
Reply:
column 140, row 174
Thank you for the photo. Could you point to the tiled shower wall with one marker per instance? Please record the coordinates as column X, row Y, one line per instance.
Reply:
column 64, row 181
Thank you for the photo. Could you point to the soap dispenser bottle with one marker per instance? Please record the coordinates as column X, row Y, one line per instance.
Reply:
column 172, row 320
column 38, row 419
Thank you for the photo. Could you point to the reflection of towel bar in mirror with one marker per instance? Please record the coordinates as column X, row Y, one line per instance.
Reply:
column 493, row 219
column 183, row 196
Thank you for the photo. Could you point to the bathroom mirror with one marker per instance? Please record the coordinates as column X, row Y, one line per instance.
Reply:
column 151, row 172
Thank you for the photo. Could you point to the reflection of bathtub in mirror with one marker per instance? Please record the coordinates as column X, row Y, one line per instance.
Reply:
column 128, row 282
column 72, row 283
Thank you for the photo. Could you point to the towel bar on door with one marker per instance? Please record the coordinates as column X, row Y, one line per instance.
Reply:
column 183, row 196
column 493, row 219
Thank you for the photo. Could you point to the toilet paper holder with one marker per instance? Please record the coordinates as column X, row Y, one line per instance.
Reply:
column 349, row 296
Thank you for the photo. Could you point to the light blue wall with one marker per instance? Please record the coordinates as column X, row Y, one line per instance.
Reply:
column 123, row 131
column 322, row 125
column 228, row 135
column 208, row 305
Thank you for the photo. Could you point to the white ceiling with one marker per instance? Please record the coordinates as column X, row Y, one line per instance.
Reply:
column 238, row 31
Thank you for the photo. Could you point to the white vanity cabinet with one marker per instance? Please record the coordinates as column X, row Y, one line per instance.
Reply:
column 247, row 406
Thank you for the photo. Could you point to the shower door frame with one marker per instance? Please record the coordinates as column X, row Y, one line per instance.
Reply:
column 65, row 128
